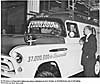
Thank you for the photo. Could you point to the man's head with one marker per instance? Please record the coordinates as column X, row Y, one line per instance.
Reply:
column 87, row 30
column 72, row 28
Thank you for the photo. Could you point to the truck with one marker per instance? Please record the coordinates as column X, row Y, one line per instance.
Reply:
column 51, row 50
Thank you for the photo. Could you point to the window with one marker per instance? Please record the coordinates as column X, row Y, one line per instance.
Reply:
column 72, row 30
column 49, row 26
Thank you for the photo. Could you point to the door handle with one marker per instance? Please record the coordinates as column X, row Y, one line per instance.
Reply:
column 58, row 49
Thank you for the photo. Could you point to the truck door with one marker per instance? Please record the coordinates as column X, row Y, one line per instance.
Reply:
column 73, row 46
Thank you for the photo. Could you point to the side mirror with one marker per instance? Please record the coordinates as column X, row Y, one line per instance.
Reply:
column 29, row 37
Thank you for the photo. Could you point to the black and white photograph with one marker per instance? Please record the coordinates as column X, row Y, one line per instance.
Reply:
column 50, row 39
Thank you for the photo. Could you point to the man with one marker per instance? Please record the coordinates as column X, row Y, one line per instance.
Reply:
column 88, row 52
column 73, row 31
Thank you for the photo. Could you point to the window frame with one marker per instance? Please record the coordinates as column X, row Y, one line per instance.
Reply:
column 59, row 21
column 68, row 28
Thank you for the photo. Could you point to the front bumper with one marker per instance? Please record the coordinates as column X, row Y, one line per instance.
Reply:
column 7, row 67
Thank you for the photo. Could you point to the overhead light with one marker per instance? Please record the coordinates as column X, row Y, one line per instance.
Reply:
column 58, row 1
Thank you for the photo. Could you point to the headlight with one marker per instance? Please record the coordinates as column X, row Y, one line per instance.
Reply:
column 18, row 57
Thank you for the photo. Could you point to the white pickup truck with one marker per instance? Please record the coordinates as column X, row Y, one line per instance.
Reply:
column 51, row 50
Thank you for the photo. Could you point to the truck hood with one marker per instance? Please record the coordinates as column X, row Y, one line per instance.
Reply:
column 48, row 39
column 9, row 42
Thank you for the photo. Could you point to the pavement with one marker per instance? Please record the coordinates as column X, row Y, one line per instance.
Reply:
column 78, row 75
column 81, row 75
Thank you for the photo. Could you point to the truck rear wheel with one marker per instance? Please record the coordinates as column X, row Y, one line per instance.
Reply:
column 48, row 70
column 97, row 66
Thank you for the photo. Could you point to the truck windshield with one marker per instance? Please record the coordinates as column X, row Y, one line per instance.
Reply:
column 45, row 27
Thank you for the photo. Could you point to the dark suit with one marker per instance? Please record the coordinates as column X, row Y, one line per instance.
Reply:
column 88, row 55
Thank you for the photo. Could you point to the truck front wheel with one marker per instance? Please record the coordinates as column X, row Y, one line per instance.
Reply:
column 45, row 74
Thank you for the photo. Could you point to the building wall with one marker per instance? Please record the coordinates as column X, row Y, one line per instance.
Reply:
column 13, row 15
column 16, row 18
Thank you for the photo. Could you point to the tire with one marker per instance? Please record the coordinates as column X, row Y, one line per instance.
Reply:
column 45, row 74
column 97, row 68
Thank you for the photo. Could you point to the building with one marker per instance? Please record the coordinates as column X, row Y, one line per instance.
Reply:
column 16, row 13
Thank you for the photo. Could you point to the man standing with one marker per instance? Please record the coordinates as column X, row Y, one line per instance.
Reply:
column 88, row 52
